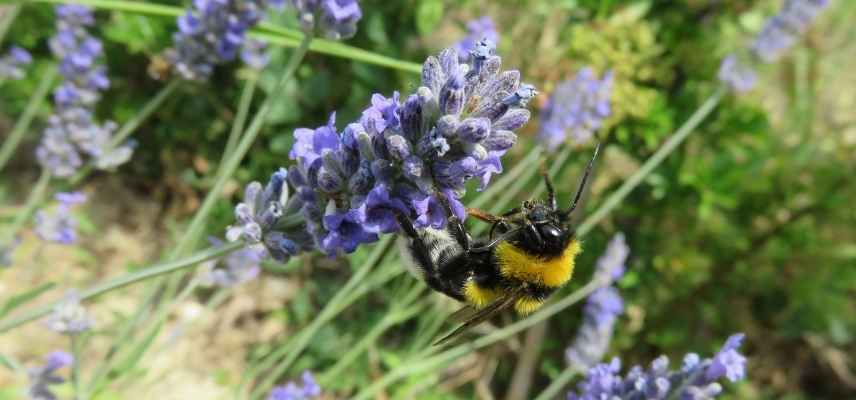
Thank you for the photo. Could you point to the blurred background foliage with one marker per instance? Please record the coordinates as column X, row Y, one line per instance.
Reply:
column 749, row 226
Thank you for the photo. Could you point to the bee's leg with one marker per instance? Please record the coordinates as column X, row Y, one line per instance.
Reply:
column 483, row 215
column 551, row 192
column 455, row 225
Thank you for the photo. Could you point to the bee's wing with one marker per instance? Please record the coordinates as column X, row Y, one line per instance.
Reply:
column 482, row 315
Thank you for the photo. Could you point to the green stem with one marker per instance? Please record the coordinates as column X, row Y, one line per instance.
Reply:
column 76, row 344
column 653, row 162
column 10, row 144
column 240, row 116
column 127, row 279
column 558, row 384
column 197, row 224
column 284, row 356
column 8, row 17
column 444, row 358
column 234, row 160
column 36, row 197
column 269, row 32
column 391, row 319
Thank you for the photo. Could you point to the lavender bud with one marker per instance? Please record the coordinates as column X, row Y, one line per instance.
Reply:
column 364, row 142
column 500, row 140
column 432, row 74
column 413, row 167
column 452, row 95
column 329, row 181
column 362, row 180
column 448, row 125
column 474, row 130
column 411, row 117
column 398, row 147
column 512, row 120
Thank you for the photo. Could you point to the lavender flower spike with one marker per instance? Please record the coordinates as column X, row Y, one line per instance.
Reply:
column 335, row 19
column 354, row 185
column 213, row 32
column 308, row 389
column 261, row 220
column 577, row 106
column 737, row 74
column 11, row 65
column 602, row 309
column 72, row 131
column 59, row 226
column 695, row 380
column 69, row 317
column 477, row 30
column 783, row 29
column 43, row 377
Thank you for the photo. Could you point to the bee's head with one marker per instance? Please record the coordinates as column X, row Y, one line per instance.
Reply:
column 542, row 229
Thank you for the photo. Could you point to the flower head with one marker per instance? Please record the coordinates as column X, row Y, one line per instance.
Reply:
column 262, row 220
column 576, row 107
column 477, row 29
column 738, row 75
column 41, row 378
column 335, row 19
column 602, row 308
column 59, row 226
column 610, row 266
column 72, row 132
column 213, row 32
column 782, row 30
column 355, row 184
column 69, row 317
column 307, row 389
column 696, row 379
column 11, row 64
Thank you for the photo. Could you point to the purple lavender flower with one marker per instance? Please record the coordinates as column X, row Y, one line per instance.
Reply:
column 738, row 75
column 235, row 268
column 602, row 309
column 213, row 32
column 69, row 317
column 59, row 226
column 11, row 64
column 610, row 266
column 577, row 106
column 308, row 389
column 695, row 380
column 335, row 19
column 41, row 378
column 477, row 30
column 783, row 29
column 72, row 131
column 353, row 185
column 266, row 220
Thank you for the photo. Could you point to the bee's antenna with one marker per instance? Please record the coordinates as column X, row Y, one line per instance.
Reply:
column 583, row 182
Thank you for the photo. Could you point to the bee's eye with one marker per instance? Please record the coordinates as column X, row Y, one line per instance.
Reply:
column 550, row 232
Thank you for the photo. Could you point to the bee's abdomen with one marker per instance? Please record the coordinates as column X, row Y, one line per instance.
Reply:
column 444, row 266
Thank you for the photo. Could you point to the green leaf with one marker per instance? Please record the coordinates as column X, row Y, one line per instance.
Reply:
column 428, row 15
column 24, row 298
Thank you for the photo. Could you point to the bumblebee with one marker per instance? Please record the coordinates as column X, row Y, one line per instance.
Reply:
column 528, row 254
